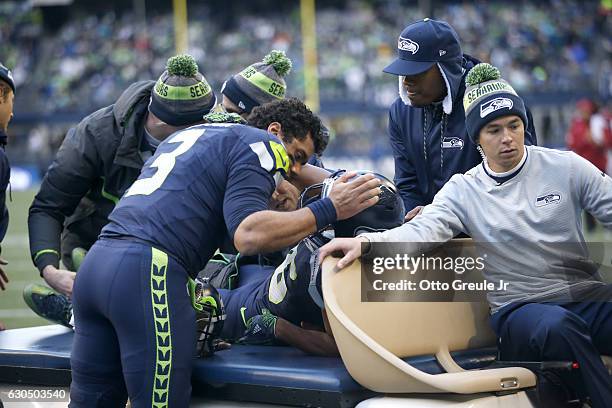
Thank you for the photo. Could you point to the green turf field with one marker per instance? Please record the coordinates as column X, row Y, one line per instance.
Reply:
column 13, row 311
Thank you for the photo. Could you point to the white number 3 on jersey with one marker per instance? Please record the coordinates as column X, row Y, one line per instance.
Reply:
column 165, row 162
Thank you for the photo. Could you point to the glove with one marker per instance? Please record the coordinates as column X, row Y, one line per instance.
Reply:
column 260, row 329
column 78, row 255
column 224, row 117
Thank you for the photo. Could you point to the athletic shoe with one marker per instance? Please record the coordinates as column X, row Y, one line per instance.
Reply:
column 49, row 304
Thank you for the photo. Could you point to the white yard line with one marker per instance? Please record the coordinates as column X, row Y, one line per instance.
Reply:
column 16, row 313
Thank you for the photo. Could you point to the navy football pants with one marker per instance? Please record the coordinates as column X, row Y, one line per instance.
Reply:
column 135, row 329
column 568, row 332
column 244, row 302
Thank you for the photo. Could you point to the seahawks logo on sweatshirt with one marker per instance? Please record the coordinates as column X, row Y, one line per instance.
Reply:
column 495, row 104
column 547, row 199
column 452, row 143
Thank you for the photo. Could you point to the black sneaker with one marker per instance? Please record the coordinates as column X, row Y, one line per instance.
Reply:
column 48, row 304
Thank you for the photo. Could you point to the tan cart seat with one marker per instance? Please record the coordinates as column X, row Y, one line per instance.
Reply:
column 373, row 337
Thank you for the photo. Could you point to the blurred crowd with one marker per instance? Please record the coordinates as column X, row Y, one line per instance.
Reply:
column 590, row 136
column 547, row 46
column 91, row 58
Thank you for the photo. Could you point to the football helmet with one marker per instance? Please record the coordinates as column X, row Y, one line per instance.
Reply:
column 210, row 314
column 387, row 213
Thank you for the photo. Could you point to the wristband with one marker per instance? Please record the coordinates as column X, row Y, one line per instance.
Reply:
column 324, row 212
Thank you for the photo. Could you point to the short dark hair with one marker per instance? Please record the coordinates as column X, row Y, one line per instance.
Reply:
column 4, row 90
column 295, row 118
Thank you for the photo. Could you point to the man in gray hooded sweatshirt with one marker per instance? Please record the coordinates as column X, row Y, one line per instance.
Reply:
column 427, row 122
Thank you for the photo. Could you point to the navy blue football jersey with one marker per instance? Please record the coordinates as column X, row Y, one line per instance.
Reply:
column 199, row 186
column 283, row 291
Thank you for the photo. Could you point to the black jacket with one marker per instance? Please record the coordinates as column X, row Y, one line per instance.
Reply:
column 431, row 144
column 98, row 160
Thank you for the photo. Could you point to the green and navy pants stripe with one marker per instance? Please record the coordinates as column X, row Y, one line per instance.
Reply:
column 135, row 328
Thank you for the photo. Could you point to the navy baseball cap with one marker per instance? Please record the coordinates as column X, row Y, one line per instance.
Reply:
column 422, row 44
column 6, row 76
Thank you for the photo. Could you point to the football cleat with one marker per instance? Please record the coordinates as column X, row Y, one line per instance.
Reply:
column 49, row 304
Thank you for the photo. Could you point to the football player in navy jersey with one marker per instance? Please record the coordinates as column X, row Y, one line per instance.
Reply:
column 135, row 325
column 284, row 304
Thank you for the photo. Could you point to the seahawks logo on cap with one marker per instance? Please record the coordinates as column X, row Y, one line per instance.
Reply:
column 495, row 104
column 406, row 44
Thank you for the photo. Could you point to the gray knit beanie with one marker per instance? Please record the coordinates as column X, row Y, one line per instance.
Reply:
column 181, row 96
column 259, row 83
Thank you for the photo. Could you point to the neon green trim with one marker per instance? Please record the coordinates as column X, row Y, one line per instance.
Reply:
column 182, row 93
column 45, row 251
column 281, row 158
column 108, row 195
column 209, row 300
column 78, row 255
column 191, row 286
column 218, row 253
column 242, row 309
column 268, row 85
column 161, row 318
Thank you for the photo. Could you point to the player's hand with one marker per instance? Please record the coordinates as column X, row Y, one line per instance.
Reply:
column 60, row 280
column 285, row 197
column 413, row 213
column 3, row 277
column 352, row 197
column 348, row 248
column 260, row 330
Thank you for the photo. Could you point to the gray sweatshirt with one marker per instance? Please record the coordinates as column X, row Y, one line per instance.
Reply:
column 530, row 226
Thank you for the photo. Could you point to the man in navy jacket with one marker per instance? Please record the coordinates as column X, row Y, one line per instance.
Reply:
column 7, row 94
column 427, row 122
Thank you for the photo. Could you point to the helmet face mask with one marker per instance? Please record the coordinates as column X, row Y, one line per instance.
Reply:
column 387, row 213
column 210, row 315
column 310, row 194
